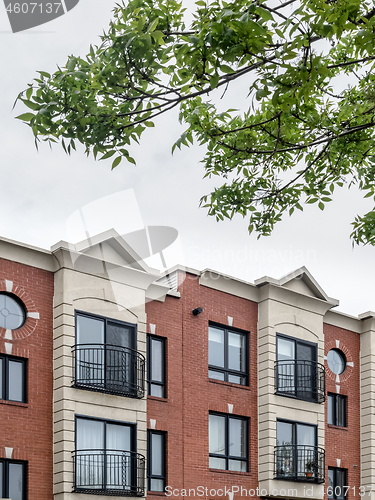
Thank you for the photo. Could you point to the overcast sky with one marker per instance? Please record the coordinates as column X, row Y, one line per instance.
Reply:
column 42, row 192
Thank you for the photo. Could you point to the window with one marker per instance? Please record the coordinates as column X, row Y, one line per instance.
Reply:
column 297, row 456
column 297, row 374
column 336, row 361
column 13, row 378
column 156, row 366
column 104, row 458
column 105, row 356
column 228, row 442
column 12, row 311
column 227, row 355
column 337, row 410
column 156, row 465
column 337, row 483
column 12, row 479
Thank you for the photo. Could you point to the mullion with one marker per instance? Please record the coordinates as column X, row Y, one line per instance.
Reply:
column 3, row 369
column 226, row 355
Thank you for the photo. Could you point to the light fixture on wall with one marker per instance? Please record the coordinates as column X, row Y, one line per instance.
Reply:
column 197, row 311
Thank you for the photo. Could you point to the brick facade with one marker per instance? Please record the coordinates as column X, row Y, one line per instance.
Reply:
column 294, row 307
column 191, row 395
column 27, row 427
column 342, row 443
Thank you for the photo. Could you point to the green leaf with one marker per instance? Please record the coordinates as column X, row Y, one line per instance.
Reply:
column 116, row 162
column 108, row 155
column 26, row 117
column 214, row 80
column 153, row 25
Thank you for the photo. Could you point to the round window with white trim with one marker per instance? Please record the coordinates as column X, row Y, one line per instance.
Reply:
column 336, row 361
column 12, row 311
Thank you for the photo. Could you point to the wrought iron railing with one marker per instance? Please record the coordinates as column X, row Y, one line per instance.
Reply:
column 109, row 472
column 299, row 463
column 108, row 368
column 300, row 379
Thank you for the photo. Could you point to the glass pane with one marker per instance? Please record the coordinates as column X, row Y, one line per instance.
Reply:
column 90, row 434
column 156, row 360
column 90, row 330
column 305, row 352
column 157, row 445
column 119, row 335
column 284, row 433
column 341, row 411
column 238, row 465
column 90, row 453
column 236, row 380
column 331, row 409
column 119, row 465
column 340, row 483
column 331, row 474
column 217, row 463
column 157, row 485
column 16, row 481
column 236, row 351
column 216, row 347
column 1, row 478
column 305, row 435
column 12, row 315
column 157, row 391
column 216, row 375
column 16, row 381
column 285, row 349
column 217, row 434
column 336, row 361
column 237, row 438
column 1, row 381
column 118, row 437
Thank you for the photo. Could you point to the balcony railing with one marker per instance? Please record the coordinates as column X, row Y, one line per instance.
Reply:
column 300, row 379
column 109, row 472
column 299, row 463
column 108, row 368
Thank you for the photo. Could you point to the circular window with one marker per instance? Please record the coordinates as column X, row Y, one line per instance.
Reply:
column 12, row 312
column 336, row 361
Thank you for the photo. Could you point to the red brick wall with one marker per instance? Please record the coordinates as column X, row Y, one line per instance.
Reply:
column 344, row 443
column 191, row 395
column 27, row 428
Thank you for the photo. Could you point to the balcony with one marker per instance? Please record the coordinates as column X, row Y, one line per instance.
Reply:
column 109, row 472
column 110, row 369
column 300, row 379
column 299, row 463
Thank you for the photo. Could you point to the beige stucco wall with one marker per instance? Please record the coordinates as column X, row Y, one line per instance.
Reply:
column 367, row 374
column 118, row 298
column 284, row 310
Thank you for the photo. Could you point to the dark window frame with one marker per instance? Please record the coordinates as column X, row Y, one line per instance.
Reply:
column 299, row 341
column 295, row 423
column 22, row 306
column 226, row 456
column 225, row 370
column 151, row 476
column 106, row 320
column 5, row 377
column 150, row 381
column 5, row 490
column 343, row 494
column 336, row 398
column 133, row 439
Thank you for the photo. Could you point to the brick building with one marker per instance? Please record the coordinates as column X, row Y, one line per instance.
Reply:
column 117, row 381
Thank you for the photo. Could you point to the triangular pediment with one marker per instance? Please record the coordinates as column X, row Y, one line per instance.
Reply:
column 110, row 246
column 300, row 281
